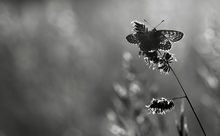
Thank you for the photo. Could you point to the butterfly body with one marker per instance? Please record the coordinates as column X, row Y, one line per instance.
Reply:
column 154, row 39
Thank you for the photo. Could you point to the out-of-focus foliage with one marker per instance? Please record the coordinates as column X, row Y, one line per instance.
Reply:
column 59, row 59
column 129, row 116
column 181, row 124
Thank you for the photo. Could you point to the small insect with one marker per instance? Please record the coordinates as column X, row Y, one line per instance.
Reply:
column 154, row 39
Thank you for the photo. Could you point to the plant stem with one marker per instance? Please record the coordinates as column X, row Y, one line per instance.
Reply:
column 187, row 98
column 175, row 98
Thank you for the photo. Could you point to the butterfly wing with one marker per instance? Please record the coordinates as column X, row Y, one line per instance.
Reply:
column 136, row 38
column 161, row 41
column 171, row 35
column 138, row 27
column 139, row 32
column 164, row 37
column 131, row 38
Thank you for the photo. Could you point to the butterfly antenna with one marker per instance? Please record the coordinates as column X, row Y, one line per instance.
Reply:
column 148, row 23
column 159, row 24
column 151, row 25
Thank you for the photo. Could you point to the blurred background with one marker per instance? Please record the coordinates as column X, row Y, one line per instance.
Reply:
column 60, row 59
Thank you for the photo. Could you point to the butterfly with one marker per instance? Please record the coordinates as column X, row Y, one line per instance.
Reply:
column 154, row 39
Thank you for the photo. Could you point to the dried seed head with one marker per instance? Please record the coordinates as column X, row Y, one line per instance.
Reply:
column 160, row 106
column 165, row 61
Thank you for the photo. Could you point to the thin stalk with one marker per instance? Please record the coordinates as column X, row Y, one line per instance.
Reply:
column 187, row 98
column 175, row 98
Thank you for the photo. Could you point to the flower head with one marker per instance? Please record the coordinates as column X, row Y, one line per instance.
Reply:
column 160, row 106
column 159, row 60
column 164, row 62
column 151, row 58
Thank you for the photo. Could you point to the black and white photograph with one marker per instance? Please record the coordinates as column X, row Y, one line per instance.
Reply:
column 109, row 68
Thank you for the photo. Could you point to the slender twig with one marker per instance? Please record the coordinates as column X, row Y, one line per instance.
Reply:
column 175, row 98
column 187, row 98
